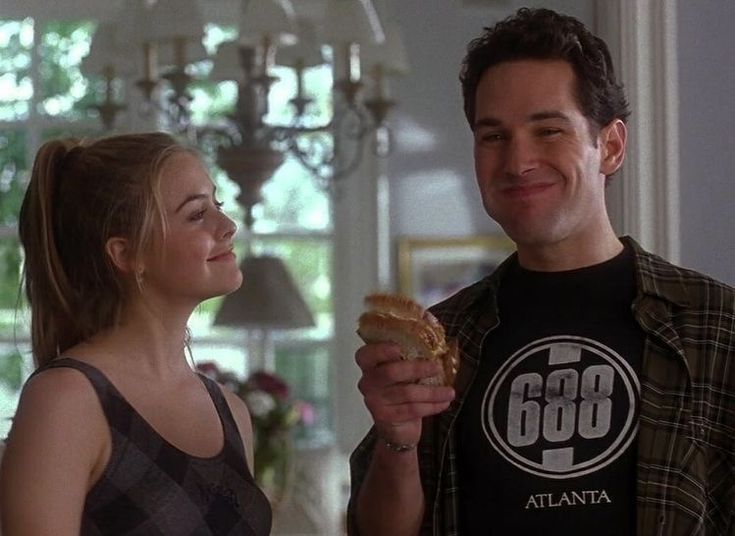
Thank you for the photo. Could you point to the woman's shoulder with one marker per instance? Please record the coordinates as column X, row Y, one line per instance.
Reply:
column 57, row 398
column 57, row 442
column 236, row 404
column 59, row 385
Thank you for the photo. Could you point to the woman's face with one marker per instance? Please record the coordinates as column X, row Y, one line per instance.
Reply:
column 194, row 261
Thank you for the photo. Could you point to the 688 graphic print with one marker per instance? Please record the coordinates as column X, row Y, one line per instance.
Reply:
column 561, row 407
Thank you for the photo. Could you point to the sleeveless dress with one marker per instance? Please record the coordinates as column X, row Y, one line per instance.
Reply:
column 151, row 487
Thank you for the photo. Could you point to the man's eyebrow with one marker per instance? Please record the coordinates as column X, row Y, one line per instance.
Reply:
column 195, row 197
column 536, row 116
column 552, row 114
column 487, row 122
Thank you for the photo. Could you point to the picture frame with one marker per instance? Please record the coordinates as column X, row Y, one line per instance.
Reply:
column 432, row 269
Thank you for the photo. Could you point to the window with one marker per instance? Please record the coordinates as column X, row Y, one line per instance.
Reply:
column 44, row 95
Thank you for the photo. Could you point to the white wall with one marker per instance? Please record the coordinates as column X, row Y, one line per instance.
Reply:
column 707, row 136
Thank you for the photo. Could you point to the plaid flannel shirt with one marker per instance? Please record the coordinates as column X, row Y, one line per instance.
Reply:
column 686, row 435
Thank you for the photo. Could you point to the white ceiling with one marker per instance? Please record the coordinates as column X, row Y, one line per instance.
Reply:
column 213, row 10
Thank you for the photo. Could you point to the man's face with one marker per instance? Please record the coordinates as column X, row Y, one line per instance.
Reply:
column 540, row 171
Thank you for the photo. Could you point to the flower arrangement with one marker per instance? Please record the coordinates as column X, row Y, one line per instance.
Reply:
column 273, row 413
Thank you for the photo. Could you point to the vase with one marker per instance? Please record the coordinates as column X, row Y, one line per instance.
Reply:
column 274, row 465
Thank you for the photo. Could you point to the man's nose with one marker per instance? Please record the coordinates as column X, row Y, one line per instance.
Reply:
column 520, row 156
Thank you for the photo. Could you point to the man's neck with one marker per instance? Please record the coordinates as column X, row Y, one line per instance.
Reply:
column 570, row 254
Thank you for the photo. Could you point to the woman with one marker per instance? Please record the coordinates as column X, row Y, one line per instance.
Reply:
column 114, row 433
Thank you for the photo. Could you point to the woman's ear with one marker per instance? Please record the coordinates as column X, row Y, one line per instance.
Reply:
column 118, row 250
column 612, row 139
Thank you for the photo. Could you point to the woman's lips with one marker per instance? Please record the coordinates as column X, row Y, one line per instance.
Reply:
column 227, row 255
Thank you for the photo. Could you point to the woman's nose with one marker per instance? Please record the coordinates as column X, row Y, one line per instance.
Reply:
column 228, row 227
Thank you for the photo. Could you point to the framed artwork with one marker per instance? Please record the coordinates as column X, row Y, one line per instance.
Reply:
column 431, row 269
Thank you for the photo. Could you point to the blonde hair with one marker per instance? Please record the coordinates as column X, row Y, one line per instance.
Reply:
column 80, row 195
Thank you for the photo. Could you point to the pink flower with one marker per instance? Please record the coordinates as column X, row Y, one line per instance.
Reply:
column 307, row 413
column 270, row 383
column 209, row 369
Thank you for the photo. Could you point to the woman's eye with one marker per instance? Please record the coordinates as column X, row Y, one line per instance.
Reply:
column 198, row 215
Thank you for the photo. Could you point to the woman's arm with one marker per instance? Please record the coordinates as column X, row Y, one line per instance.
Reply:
column 55, row 451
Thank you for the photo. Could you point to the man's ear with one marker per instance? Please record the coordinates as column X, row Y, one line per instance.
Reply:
column 612, row 139
column 118, row 250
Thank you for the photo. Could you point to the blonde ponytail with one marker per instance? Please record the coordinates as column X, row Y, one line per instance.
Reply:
column 50, row 294
column 79, row 196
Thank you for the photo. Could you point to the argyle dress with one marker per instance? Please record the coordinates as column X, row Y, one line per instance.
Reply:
column 151, row 487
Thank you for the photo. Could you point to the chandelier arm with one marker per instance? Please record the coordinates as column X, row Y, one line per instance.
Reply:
column 326, row 171
column 211, row 134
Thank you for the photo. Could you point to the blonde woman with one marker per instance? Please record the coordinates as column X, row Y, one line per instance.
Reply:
column 114, row 433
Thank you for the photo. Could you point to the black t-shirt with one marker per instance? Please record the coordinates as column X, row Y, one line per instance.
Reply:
column 547, row 434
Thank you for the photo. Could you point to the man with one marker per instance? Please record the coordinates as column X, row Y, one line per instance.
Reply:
column 596, row 390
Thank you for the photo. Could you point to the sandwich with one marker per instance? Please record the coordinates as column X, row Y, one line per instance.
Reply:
column 399, row 319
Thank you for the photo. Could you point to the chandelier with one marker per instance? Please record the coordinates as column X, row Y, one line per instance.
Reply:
column 168, row 36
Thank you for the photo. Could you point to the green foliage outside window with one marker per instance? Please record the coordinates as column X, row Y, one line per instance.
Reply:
column 12, row 174
column 64, row 90
column 16, row 40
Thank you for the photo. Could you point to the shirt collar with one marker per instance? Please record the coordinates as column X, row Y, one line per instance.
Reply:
column 657, row 277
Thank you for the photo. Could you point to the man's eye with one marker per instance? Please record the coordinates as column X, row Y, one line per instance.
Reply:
column 218, row 204
column 491, row 137
column 549, row 131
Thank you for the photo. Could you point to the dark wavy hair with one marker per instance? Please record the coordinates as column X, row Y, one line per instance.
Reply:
column 544, row 34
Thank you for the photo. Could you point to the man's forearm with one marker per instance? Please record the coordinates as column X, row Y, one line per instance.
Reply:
column 391, row 499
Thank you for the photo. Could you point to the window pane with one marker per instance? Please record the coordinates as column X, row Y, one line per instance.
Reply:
column 306, row 370
column 15, row 367
column 16, row 89
column 292, row 200
column 10, row 298
column 13, row 174
column 64, row 90
column 229, row 355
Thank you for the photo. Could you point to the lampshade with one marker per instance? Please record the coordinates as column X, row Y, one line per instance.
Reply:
column 133, row 25
column 391, row 54
column 272, row 18
column 170, row 19
column 107, row 50
column 352, row 21
column 308, row 49
column 113, row 41
column 267, row 299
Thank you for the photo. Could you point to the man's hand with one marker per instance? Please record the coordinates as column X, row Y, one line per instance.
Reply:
column 389, row 386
